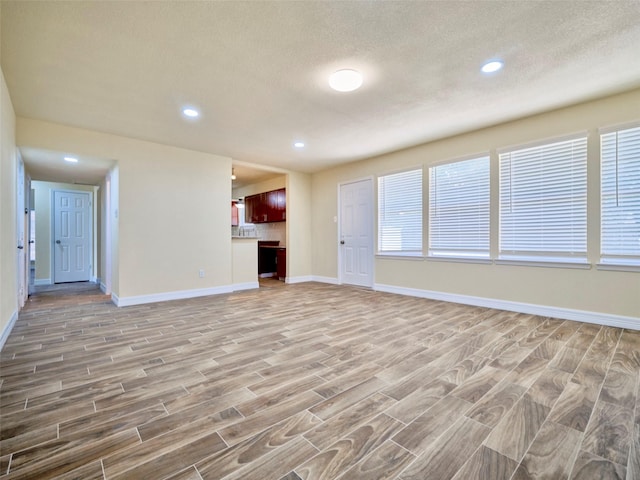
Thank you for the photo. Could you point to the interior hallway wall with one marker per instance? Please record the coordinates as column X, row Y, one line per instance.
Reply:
column 8, row 230
column 171, row 216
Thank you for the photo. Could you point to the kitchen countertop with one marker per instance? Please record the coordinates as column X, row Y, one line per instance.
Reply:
column 272, row 246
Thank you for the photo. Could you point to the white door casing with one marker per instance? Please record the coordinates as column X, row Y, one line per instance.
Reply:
column 356, row 233
column 71, row 236
column 107, row 244
column 21, row 233
column 31, row 220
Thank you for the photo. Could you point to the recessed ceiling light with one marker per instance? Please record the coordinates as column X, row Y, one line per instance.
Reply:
column 492, row 66
column 345, row 80
column 299, row 144
column 190, row 112
column 71, row 159
column 233, row 174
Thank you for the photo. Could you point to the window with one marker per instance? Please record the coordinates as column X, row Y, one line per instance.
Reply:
column 620, row 197
column 543, row 202
column 459, row 208
column 400, row 213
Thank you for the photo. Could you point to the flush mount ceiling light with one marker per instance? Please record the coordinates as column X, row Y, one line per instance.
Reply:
column 299, row 144
column 233, row 174
column 492, row 66
column 71, row 159
column 190, row 112
column 345, row 80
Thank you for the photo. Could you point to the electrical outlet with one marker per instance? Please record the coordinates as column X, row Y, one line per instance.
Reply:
column 201, row 273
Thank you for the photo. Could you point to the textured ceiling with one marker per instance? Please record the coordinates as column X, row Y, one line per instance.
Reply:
column 258, row 70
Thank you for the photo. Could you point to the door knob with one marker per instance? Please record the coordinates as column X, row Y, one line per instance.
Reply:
column 58, row 242
column 341, row 242
column 20, row 247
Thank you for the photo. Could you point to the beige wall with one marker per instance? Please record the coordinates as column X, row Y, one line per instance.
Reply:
column 245, row 262
column 44, row 245
column 614, row 293
column 171, row 215
column 298, row 226
column 8, row 234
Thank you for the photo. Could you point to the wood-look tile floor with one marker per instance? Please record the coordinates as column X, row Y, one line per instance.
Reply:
column 313, row 381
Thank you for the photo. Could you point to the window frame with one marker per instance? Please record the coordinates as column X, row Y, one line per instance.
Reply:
column 568, row 257
column 416, row 232
column 451, row 253
column 608, row 260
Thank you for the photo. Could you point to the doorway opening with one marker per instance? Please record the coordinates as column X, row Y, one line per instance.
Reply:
column 72, row 250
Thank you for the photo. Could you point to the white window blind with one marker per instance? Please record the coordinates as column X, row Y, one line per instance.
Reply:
column 459, row 209
column 620, row 197
column 400, row 212
column 543, row 202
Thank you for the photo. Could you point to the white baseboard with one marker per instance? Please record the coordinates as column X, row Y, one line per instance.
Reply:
column 163, row 297
column 42, row 281
column 103, row 287
column 244, row 286
column 607, row 319
column 321, row 279
column 267, row 275
column 300, row 279
column 7, row 329
column 94, row 279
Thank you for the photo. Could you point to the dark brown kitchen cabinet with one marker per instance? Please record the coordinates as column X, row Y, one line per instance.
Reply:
column 280, row 210
column 281, row 263
column 267, row 257
column 253, row 210
column 249, row 206
column 266, row 207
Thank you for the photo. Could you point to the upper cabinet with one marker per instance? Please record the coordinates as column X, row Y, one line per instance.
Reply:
column 266, row 207
column 234, row 215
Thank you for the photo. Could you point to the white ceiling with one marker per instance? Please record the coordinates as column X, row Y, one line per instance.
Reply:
column 50, row 166
column 258, row 70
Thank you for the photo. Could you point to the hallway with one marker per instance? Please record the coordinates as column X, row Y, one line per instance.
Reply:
column 64, row 295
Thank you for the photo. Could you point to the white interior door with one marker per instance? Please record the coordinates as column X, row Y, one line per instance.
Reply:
column 356, row 233
column 72, row 236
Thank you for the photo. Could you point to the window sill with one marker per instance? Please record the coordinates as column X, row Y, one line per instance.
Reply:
column 484, row 261
column 581, row 264
column 400, row 255
column 617, row 267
